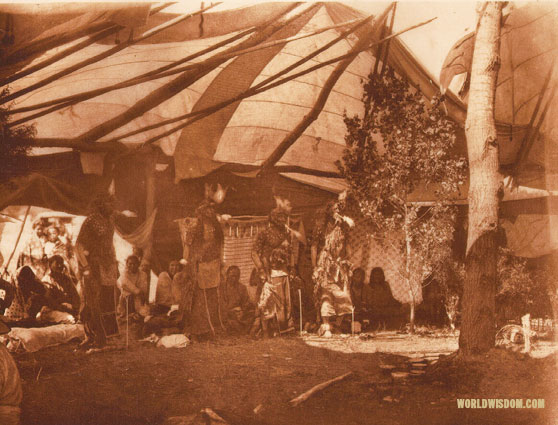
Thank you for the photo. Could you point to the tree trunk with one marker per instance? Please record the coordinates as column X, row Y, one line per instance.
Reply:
column 478, row 318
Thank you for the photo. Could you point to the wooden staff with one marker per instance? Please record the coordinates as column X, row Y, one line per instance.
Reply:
column 300, row 312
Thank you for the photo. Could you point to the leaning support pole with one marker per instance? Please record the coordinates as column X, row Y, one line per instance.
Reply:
column 101, row 56
column 289, row 140
column 17, row 240
column 178, row 84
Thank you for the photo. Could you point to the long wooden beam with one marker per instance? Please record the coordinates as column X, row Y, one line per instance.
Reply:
column 526, row 142
column 196, row 116
column 160, row 72
column 103, row 55
column 66, row 101
column 289, row 140
column 252, row 90
column 178, row 84
column 40, row 46
column 207, row 111
column 61, row 55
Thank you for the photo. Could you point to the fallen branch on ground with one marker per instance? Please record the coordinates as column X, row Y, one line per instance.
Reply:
column 306, row 395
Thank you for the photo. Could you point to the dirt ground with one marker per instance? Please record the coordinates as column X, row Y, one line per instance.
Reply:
column 146, row 384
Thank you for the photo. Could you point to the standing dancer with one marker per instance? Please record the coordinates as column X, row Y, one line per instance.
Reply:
column 99, row 269
column 271, row 254
column 332, row 272
column 204, row 255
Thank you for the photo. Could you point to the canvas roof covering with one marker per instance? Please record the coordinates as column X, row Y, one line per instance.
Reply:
column 525, row 98
column 247, row 131
column 243, row 133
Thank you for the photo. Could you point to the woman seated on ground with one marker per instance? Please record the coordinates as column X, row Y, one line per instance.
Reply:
column 61, row 290
column 133, row 288
column 165, row 316
column 164, row 297
column 362, row 310
column 240, row 312
column 384, row 310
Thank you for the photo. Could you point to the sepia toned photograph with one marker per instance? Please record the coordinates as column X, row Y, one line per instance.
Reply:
column 259, row 212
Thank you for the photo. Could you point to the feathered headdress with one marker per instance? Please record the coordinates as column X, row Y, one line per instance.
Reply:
column 217, row 195
column 283, row 204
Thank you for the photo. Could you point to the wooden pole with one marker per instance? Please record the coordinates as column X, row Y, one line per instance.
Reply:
column 161, row 72
column 66, row 101
column 317, row 388
column 252, row 90
column 175, row 86
column 300, row 309
column 17, row 240
column 386, row 47
column 101, row 56
column 288, row 141
column 150, row 205
column 61, row 55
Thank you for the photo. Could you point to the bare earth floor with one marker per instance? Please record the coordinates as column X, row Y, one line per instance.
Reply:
column 146, row 385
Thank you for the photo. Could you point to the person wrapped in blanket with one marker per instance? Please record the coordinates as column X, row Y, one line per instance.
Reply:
column 271, row 254
column 332, row 272
column 11, row 393
column 61, row 293
column 239, row 310
column 99, row 269
column 204, row 316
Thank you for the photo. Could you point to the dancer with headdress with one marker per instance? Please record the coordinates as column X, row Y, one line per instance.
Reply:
column 271, row 254
column 332, row 271
column 203, row 253
column 99, row 269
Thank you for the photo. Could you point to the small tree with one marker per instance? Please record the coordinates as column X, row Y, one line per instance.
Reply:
column 14, row 142
column 403, row 144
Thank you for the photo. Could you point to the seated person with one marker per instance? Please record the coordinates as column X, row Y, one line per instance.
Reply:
column 7, row 294
column 10, row 385
column 163, row 296
column 239, row 311
column 164, row 315
column 33, row 294
column 133, row 286
column 383, row 308
column 61, row 292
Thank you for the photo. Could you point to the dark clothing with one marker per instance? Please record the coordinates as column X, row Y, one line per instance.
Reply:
column 271, row 247
column 61, row 290
column 99, row 310
column 9, row 294
column 239, row 310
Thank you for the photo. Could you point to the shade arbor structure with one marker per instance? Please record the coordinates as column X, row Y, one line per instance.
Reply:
column 156, row 101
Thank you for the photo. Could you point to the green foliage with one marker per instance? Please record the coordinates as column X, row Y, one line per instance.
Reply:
column 14, row 142
column 403, row 145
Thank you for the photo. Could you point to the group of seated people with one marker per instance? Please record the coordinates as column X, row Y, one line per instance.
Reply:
column 170, row 310
column 374, row 305
column 29, row 301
